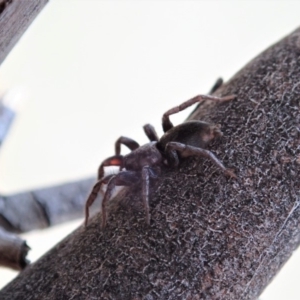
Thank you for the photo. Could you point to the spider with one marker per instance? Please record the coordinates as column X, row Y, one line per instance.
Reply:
column 144, row 162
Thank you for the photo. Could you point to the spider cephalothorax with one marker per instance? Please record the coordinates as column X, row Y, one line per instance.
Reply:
column 145, row 162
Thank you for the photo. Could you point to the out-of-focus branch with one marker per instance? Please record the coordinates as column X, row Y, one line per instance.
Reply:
column 13, row 251
column 44, row 207
column 15, row 18
column 38, row 209
column 33, row 209
column 7, row 114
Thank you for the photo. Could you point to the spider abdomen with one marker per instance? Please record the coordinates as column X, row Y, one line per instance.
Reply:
column 193, row 133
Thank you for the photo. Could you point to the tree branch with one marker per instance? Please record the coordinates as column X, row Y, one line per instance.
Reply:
column 44, row 207
column 210, row 237
column 37, row 210
column 13, row 251
column 15, row 18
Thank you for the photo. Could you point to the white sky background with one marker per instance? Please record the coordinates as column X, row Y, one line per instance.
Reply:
column 94, row 70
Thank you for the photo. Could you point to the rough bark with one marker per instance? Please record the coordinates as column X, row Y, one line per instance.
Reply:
column 210, row 237
column 15, row 18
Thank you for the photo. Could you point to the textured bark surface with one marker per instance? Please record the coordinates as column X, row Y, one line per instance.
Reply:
column 15, row 18
column 210, row 237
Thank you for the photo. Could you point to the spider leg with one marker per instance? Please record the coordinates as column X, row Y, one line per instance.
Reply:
column 172, row 157
column 93, row 195
column 146, row 181
column 116, row 160
column 217, row 84
column 110, row 187
column 124, row 178
column 186, row 150
column 128, row 142
column 148, row 172
column 167, row 124
column 151, row 133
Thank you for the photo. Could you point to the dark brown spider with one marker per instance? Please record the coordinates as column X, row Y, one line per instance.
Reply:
column 145, row 162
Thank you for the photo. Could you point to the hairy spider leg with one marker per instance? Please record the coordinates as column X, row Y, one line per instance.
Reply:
column 146, row 184
column 124, row 178
column 93, row 195
column 186, row 150
column 217, row 84
column 115, row 160
column 167, row 124
column 128, row 142
column 151, row 133
column 172, row 157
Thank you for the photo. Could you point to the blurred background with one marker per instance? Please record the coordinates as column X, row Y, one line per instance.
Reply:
column 89, row 71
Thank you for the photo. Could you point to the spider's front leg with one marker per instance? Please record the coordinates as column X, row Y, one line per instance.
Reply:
column 167, row 124
column 187, row 150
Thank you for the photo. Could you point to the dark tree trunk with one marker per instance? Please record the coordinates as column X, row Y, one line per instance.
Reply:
column 210, row 237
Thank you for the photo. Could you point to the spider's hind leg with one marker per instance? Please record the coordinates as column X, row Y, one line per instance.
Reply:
column 93, row 195
column 167, row 124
